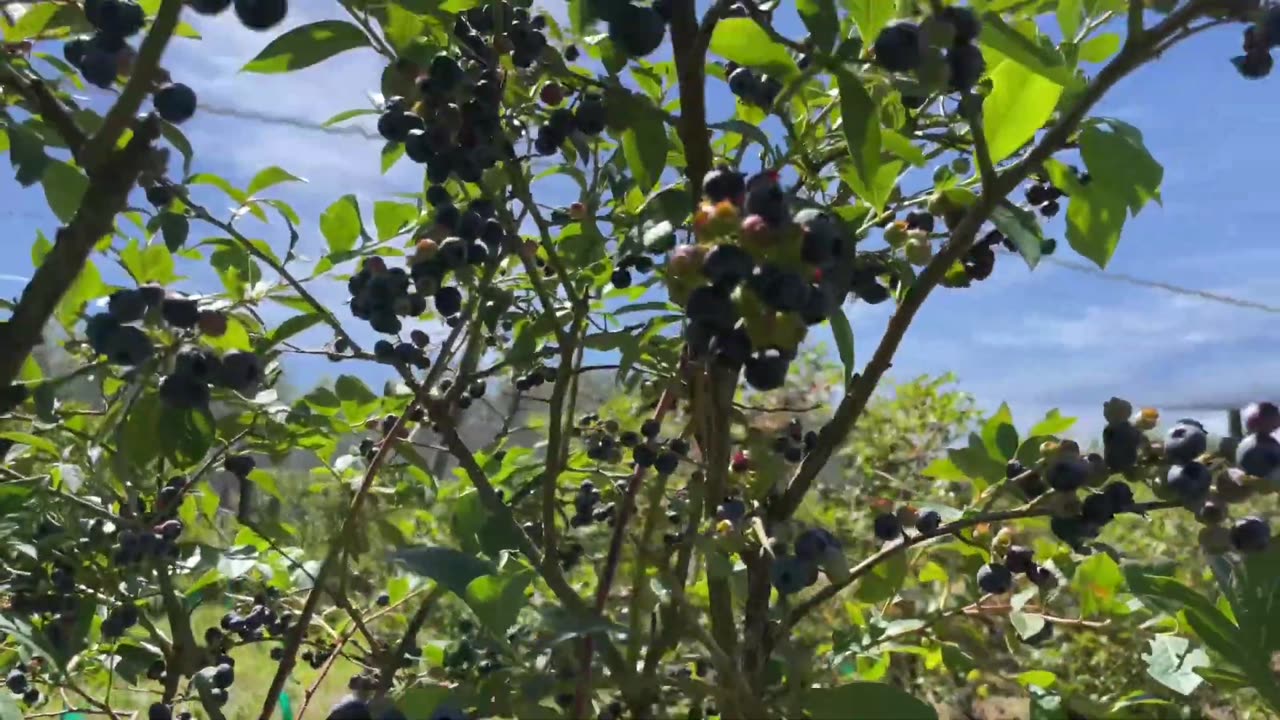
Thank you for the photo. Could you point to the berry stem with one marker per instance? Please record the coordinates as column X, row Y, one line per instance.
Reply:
column 625, row 508
column 891, row 549
column 331, row 562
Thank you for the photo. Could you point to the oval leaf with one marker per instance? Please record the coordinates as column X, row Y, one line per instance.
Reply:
column 307, row 45
column 1020, row 103
column 874, row 701
column 746, row 43
column 453, row 569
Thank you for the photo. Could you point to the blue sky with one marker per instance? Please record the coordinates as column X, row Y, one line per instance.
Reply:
column 1048, row 338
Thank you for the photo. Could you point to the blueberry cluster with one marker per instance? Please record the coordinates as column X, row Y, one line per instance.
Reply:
column 381, row 296
column 356, row 707
column 1044, row 197
column 19, row 684
column 940, row 50
column 317, row 657
column 996, row 578
column 196, row 369
column 621, row 277
column 794, row 442
column 1259, row 38
column 263, row 618
column 409, row 354
column 587, row 118
column 759, row 90
column 756, row 277
column 118, row 620
column 253, row 14
column 106, row 54
column 815, row 549
column 159, row 541
column 456, row 129
column 588, row 508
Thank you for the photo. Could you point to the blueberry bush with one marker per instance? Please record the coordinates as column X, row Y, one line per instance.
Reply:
column 729, row 528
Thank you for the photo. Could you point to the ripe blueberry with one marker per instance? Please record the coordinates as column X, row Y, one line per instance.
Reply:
column 967, row 65
column 1068, row 472
column 448, row 300
column 208, row 7
column 350, row 707
column 727, row 265
column 723, row 183
column 767, row 369
column 1258, row 455
column 790, row 574
column 964, row 21
column 897, row 47
column 1262, row 418
column 261, row 14
column 1097, row 510
column 1251, row 534
column 1189, row 482
column 813, row 543
column 636, row 31
column 887, row 527
column 928, row 522
column 1019, row 559
column 995, row 579
column 1185, row 442
column 712, row 307
column 241, row 370
column 127, row 305
column 175, row 103
column 180, row 312
column 1120, row 495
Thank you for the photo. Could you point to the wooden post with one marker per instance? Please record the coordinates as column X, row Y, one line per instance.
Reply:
column 1235, row 425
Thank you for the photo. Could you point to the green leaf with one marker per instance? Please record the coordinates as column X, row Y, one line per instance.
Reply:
column 44, row 445
column 347, row 115
column 64, row 186
column 873, row 701
column 877, row 194
column 870, row 16
column 402, row 27
column 1054, row 423
column 1096, row 582
column 391, row 154
column 497, row 599
column 139, row 441
column 185, row 435
column 1026, row 624
column 1095, row 218
column 33, row 20
column 843, row 335
column 454, row 570
column 389, row 217
column 307, row 45
column 945, row 469
column 1037, row 56
column 269, row 177
column 1022, row 229
column 340, row 224
column 999, row 435
column 175, row 228
column 1172, row 663
column 898, row 144
column 644, row 144
column 1020, row 103
column 1100, row 48
column 1119, row 162
column 821, row 20
column 883, row 581
column 1070, row 15
column 860, row 123
column 1203, row 616
column 1038, row 678
column 746, row 43
column 8, row 706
